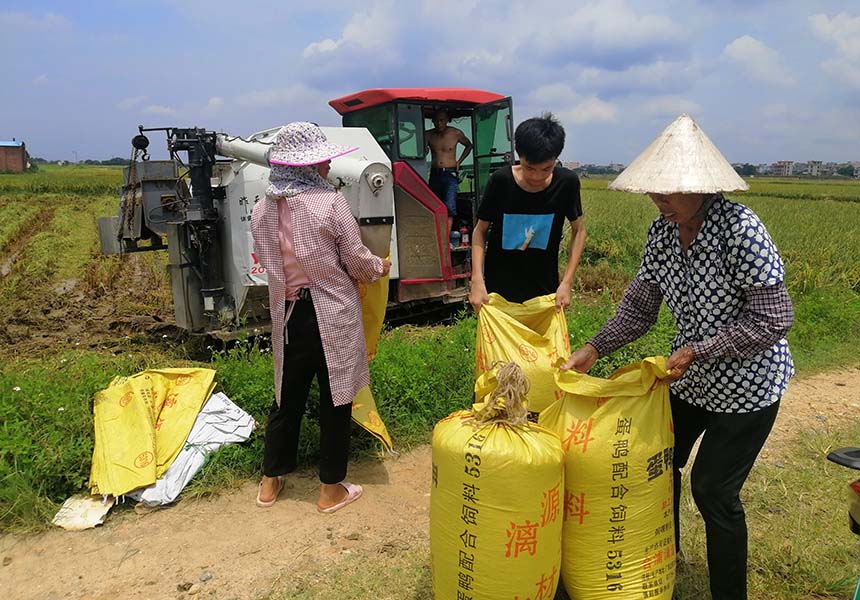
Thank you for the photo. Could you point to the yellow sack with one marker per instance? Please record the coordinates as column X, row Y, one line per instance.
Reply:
column 617, row 435
column 141, row 423
column 364, row 413
column 532, row 334
column 374, row 300
column 495, row 504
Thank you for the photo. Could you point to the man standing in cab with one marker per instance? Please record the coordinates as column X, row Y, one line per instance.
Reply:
column 441, row 142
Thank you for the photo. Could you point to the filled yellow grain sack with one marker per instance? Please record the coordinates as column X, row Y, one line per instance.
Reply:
column 617, row 436
column 141, row 423
column 495, row 502
column 532, row 334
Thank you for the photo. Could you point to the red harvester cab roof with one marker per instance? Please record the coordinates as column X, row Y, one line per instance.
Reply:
column 376, row 96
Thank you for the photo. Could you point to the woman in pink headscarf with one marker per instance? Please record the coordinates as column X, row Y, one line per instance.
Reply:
column 308, row 240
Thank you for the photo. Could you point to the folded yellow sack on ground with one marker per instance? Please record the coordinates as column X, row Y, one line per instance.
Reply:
column 141, row 423
column 617, row 436
column 532, row 334
column 495, row 505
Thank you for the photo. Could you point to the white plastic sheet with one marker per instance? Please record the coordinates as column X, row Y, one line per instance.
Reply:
column 219, row 422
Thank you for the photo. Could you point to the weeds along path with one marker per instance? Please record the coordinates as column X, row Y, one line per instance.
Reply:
column 228, row 548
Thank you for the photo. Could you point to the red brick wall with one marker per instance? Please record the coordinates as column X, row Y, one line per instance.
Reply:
column 12, row 159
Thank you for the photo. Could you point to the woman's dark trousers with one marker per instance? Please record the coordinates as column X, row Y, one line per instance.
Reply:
column 303, row 360
column 729, row 447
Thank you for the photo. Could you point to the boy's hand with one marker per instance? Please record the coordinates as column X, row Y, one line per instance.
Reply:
column 478, row 296
column 562, row 297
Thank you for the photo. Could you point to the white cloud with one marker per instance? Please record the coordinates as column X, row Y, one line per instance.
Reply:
column 594, row 110
column 610, row 30
column 129, row 103
column 215, row 104
column 40, row 79
column 298, row 94
column 434, row 8
column 372, row 29
column 843, row 31
column 571, row 107
column 662, row 106
column 659, row 76
column 156, row 109
column 759, row 62
column 322, row 47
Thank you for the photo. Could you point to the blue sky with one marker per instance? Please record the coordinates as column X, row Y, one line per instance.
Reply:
column 765, row 80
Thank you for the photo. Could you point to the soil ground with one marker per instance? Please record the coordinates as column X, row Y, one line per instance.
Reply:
column 225, row 547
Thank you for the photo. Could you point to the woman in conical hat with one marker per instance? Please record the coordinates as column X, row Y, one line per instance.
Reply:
column 719, row 272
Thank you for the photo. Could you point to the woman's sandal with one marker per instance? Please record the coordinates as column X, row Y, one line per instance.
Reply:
column 353, row 493
column 261, row 503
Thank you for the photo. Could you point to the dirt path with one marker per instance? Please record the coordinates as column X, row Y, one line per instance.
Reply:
column 227, row 548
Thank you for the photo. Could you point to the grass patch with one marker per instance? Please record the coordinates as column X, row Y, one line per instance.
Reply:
column 396, row 575
column 799, row 541
column 69, row 179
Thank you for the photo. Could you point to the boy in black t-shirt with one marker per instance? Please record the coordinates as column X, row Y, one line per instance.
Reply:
column 521, row 219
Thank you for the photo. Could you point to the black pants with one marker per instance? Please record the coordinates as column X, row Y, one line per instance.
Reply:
column 725, row 457
column 304, row 359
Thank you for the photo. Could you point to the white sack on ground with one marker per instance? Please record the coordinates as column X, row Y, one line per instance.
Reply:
column 219, row 422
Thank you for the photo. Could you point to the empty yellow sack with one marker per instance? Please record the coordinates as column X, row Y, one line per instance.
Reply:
column 617, row 436
column 532, row 334
column 141, row 423
column 374, row 301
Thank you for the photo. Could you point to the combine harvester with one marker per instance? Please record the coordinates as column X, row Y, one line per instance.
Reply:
column 202, row 204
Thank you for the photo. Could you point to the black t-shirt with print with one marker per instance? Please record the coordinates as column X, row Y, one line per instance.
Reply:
column 525, row 232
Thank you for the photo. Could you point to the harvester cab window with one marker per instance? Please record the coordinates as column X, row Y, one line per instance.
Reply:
column 379, row 120
column 410, row 131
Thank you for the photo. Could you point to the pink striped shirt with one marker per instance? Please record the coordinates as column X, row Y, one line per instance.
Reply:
column 296, row 278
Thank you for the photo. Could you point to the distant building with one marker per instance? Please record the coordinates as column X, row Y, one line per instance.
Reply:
column 782, row 168
column 814, row 168
column 573, row 164
column 13, row 156
column 616, row 167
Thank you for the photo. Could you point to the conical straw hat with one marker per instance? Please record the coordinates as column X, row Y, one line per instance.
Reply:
column 681, row 160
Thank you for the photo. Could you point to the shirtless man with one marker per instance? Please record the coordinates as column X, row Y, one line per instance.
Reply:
column 442, row 142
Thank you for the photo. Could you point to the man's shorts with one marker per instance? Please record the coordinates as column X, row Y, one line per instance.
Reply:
column 444, row 184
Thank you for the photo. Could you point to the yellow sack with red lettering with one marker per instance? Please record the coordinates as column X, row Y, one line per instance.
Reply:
column 617, row 436
column 532, row 334
column 141, row 423
column 495, row 504
column 374, row 301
